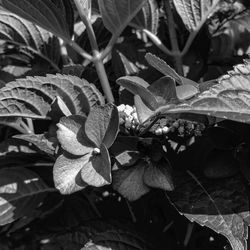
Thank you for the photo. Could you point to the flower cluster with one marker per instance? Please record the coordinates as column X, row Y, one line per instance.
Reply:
column 128, row 116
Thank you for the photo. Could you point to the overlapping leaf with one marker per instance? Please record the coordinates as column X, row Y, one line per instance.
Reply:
column 32, row 96
column 21, row 191
column 54, row 16
column 117, row 14
column 19, row 32
column 85, row 159
column 195, row 13
column 221, row 206
column 148, row 17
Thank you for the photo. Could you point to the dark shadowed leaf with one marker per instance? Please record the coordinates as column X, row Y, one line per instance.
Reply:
column 148, row 17
column 129, row 182
column 54, row 16
column 222, row 206
column 73, row 70
column 195, row 13
column 159, row 175
column 166, row 70
column 72, row 137
column 21, row 191
column 117, row 14
column 138, row 86
column 102, row 125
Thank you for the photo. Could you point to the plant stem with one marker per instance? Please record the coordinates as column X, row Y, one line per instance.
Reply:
column 133, row 217
column 97, row 58
column 26, row 127
column 30, row 125
column 173, row 39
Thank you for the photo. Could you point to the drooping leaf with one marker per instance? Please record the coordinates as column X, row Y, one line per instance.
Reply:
column 43, row 142
column 138, row 86
column 33, row 96
column 102, row 125
column 195, row 13
column 129, row 182
column 117, row 14
column 21, row 191
column 148, row 17
column 54, row 16
column 19, row 32
column 221, row 206
column 166, row 70
column 72, row 137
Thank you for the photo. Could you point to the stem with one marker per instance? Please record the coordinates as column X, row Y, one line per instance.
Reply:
column 173, row 39
column 97, row 58
column 188, row 235
column 26, row 127
column 133, row 217
column 30, row 125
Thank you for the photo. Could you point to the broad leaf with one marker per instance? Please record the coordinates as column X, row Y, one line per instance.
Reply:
column 54, row 16
column 148, row 17
column 229, row 99
column 185, row 92
column 195, row 13
column 221, row 206
column 21, row 191
column 43, row 142
column 166, row 70
column 129, row 182
column 102, row 125
column 72, row 137
column 143, row 112
column 19, row 32
column 117, row 14
column 33, row 96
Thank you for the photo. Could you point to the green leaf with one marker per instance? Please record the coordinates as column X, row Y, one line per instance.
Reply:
column 138, row 86
column 102, row 125
column 143, row 112
column 222, row 206
column 33, row 96
column 43, row 142
column 166, row 70
column 148, row 17
column 117, row 14
column 19, row 32
column 54, row 16
column 229, row 99
column 185, row 92
column 21, row 192
column 194, row 13
column 72, row 137
column 159, row 175
column 129, row 182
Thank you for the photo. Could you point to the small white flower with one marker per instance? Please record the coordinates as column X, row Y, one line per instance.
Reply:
column 128, row 110
column 158, row 131
column 121, row 108
column 165, row 130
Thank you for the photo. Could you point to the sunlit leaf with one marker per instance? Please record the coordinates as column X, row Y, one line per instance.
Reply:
column 195, row 13
column 185, row 92
column 54, row 16
column 21, row 191
column 117, row 14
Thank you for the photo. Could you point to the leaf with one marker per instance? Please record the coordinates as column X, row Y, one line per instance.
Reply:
column 185, row 92
column 54, row 16
column 166, row 70
column 148, row 17
column 19, row 32
column 143, row 112
column 117, row 14
column 221, row 206
column 33, row 96
column 72, row 137
column 159, row 175
column 129, row 182
column 229, row 99
column 85, row 5
column 138, row 86
column 73, row 70
column 102, row 125
column 43, row 142
column 21, row 191
column 195, row 13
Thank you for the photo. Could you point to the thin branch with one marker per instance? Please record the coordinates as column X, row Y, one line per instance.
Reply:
column 110, row 46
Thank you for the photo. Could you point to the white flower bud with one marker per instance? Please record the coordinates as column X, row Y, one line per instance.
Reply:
column 158, row 131
column 121, row 108
column 165, row 130
column 128, row 110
